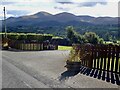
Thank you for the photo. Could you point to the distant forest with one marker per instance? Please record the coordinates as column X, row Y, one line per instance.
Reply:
column 107, row 32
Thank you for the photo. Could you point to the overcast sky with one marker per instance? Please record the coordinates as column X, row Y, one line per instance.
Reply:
column 95, row 8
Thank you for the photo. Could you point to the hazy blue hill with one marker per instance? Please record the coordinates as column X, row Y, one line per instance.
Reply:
column 43, row 22
column 105, row 20
column 65, row 17
column 61, row 18
column 86, row 18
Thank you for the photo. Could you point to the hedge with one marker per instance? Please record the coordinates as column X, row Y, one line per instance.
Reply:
column 28, row 36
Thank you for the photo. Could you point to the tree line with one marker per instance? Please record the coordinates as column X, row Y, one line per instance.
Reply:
column 87, row 37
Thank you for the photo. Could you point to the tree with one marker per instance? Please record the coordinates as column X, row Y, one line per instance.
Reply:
column 71, row 34
column 91, row 37
column 101, row 40
column 88, row 37
column 81, row 39
column 107, row 36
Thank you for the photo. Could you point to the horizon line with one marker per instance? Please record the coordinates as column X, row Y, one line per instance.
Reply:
column 61, row 13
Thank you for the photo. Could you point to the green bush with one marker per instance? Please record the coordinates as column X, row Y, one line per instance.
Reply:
column 22, row 37
column 29, row 36
column 13, row 36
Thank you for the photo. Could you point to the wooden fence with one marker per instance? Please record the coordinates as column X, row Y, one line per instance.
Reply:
column 32, row 46
column 101, row 57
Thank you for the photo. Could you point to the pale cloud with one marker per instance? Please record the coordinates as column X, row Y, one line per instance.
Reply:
column 111, row 9
column 64, row 1
column 91, row 4
column 82, row 3
column 65, row 7
column 17, row 12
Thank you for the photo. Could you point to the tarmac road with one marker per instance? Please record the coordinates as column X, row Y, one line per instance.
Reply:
column 42, row 69
column 15, row 75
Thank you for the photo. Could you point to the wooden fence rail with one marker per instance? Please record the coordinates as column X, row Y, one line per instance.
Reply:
column 106, row 58
column 101, row 57
column 32, row 46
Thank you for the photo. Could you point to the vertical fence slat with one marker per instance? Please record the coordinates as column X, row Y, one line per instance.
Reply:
column 108, row 63
column 112, row 64
column 117, row 59
column 105, row 57
column 34, row 46
column 113, row 59
column 39, row 46
column 22, row 46
column 26, row 46
column 104, row 65
column 101, row 62
column 90, row 63
column 101, row 55
column 95, row 54
column 98, row 57
column 30, row 46
column 109, row 55
column 18, row 46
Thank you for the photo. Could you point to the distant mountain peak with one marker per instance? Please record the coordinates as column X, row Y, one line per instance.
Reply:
column 43, row 13
column 65, row 13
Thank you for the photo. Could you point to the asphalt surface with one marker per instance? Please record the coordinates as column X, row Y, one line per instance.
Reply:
column 13, row 77
column 15, row 73
column 43, row 69
column 0, row 69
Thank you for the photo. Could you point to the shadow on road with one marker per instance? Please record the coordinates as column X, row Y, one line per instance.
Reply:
column 70, row 73
column 99, row 74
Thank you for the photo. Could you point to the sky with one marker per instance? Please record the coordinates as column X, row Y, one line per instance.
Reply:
column 96, row 8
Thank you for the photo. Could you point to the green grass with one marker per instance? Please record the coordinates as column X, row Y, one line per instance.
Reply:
column 110, row 42
column 64, row 47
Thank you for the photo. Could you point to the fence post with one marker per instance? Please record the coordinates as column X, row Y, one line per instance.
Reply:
column 109, row 55
column 39, row 46
column 33, row 46
column 56, row 47
column 42, row 46
column 90, row 62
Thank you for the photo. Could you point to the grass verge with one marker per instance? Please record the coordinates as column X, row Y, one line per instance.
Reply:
column 64, row 47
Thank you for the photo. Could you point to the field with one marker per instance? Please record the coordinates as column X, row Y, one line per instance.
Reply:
column 64, row 47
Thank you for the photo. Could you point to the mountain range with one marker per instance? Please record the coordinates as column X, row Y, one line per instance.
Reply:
column 44, row 22
column 42, row 18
